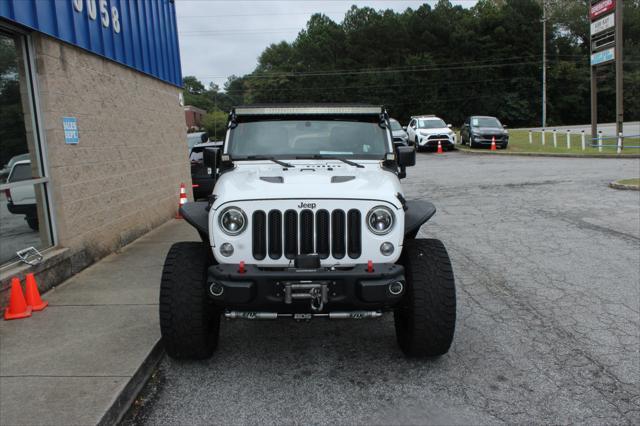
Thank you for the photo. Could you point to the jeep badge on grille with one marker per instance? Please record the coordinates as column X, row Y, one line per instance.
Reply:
column 304, row 205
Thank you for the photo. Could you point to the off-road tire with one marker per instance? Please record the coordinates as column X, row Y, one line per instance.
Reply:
column 189, row 322
column 425, row 319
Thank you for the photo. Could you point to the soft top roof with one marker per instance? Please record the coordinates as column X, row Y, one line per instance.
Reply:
column 307, row 109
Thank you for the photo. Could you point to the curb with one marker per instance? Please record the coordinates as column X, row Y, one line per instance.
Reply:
column 122, row 403
column 616, row 185
column 542, row 154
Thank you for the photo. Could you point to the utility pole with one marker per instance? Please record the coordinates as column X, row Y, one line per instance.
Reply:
column 544, row 64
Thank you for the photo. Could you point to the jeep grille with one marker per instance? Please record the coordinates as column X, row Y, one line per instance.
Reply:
column 333, row 234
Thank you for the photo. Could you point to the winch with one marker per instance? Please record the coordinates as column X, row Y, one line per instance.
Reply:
column 317, row 292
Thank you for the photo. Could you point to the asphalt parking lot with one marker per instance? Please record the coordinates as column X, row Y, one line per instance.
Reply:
column 546, row 262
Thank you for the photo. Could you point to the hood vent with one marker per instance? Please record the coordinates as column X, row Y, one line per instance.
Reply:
column 341, row 179
column 272, row 179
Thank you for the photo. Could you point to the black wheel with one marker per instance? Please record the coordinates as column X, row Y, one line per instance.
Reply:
column 471, row 144
column 189, row 322
column 504, row 146
column 32, row 222
column 425, row 319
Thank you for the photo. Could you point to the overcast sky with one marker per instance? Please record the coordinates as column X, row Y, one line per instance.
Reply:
column 219, row 38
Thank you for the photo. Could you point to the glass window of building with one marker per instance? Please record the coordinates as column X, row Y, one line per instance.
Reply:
column 24, row 212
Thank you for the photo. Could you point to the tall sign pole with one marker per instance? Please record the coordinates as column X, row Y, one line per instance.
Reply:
column 619, row 71
column 544, row 64
column 606, row 47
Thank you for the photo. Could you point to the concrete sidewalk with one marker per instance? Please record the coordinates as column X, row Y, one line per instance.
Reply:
column 83, row 359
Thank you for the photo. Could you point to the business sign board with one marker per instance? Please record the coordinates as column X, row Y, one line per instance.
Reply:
column 602, row 7
column 141, row 34
column 603, row 57
column 603, row 41
column 70, row 127
column 603, row 24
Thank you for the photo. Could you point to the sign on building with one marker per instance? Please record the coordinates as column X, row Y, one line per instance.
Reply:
column 70, row 127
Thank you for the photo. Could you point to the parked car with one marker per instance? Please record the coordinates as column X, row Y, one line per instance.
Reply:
column 22, row 199
column 196, row 138
column 202, row 179
column 398, row 133
column 4, row 172
column 480, row 130
column 308, row 222
column 425, row 131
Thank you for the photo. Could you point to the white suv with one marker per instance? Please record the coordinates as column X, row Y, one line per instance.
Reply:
column 425, row 131
column 307, row 220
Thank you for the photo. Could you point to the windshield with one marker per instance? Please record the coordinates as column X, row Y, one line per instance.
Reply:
column 431, row 123
column 194, row 139
column 485, row 122
column 395, row 125
column 305, row 138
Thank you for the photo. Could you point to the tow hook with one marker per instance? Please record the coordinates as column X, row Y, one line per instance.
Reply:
column 316, row 292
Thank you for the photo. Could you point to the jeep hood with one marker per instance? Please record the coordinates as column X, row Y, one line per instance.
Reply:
column 307, row 182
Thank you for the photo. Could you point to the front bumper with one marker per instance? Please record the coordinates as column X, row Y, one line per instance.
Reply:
column 486, row 140
column 432, row 142
column 286, row 290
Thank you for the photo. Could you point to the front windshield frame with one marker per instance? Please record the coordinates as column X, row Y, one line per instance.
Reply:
column 439, row 121
column 380, row 152
column 491, row 122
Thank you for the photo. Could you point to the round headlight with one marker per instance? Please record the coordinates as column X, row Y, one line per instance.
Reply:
column 233, row 221
column 380, row 220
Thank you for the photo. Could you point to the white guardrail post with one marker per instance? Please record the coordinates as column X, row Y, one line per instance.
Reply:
column 582, row 141
column 543, row 136
column 568, row 138
column 530, row 137
column 620, row 143
column 600, row 141
column 555, row 138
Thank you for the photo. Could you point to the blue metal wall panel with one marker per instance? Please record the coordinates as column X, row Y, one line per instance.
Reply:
column 147, row 39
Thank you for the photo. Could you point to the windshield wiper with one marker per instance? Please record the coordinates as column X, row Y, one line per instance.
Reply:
column 266, row 157
column 326, row 157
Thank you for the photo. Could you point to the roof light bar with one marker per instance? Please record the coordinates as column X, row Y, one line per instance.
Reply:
column 307, row 110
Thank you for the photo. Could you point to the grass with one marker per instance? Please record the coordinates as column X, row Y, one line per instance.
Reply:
column 631, row 182
column 519, row 143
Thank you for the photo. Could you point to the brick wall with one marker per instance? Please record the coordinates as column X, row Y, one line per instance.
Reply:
column 122, row 179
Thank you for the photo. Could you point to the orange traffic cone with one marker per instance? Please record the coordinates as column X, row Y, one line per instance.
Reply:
column 182, row 201
column 17, row 305
column 33, row 295
column 439, row 148
column 493, row 143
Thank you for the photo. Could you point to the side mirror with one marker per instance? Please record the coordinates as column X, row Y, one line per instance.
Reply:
column 404, row 128
column 210, row 158
column 505, row 126
column 449, row 126
column 406, row 156
column 204, row 137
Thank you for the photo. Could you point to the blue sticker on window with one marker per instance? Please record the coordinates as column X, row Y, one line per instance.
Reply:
column 70, row 126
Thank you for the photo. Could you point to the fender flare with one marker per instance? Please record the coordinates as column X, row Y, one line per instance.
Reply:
column 417, row 213
column 197, row 215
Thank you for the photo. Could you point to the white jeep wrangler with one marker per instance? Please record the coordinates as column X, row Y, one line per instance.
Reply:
column 308, row 220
